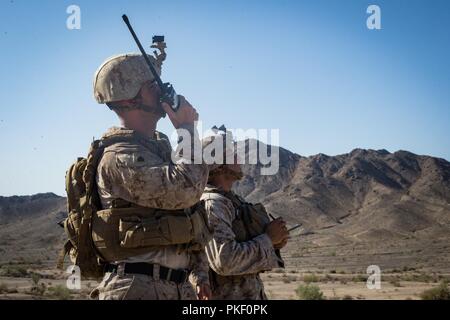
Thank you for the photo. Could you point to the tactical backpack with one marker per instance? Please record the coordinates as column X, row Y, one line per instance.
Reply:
column 82, row 203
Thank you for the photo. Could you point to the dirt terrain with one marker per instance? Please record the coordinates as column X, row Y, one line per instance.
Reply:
column 279, row 284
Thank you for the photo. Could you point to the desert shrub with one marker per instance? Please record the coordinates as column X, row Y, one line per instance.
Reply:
column 288, row 279
column 308, row 278
column 405, row 269
column 59, row 292
column 13, row 271
column 395, row 282
column 35, row 278
column 309, row 292
column 440, row 292
column 38, row 261
column 359, row 278
column 5, row 289
column 422, row 277
column 278, row 270
column 38, row 289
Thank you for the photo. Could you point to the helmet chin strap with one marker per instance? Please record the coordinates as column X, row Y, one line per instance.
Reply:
column 158, row 110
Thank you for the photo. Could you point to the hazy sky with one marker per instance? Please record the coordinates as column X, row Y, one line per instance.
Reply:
column 310, row 68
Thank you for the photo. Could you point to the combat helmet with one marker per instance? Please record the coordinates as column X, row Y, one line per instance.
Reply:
column 121, row 77
column 224, row 137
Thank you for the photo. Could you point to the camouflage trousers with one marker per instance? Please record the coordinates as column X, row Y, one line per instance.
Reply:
column 141, row 287
column 245, row 287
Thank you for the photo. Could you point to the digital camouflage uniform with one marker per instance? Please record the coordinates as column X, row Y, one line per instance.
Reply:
column 237, row 263
column 140, row 175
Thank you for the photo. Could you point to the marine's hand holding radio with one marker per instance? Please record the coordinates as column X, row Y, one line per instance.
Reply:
column 277, row 231
column 169, row 96
column 185, row 115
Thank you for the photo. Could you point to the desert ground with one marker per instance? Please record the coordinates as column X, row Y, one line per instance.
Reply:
column 338, row 272
column 279, row 284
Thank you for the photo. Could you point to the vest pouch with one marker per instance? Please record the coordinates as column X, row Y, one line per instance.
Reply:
column 119, row 233
column 166, row 229
column 240, row 230
column 72, row 226
column 200, row 225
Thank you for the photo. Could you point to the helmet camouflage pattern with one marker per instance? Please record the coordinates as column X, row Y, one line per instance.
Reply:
column 121, row 77
column 224, row 137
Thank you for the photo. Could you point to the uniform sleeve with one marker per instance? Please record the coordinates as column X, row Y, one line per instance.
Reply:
column 225, row 255
column 142, row 177
column 198, row 264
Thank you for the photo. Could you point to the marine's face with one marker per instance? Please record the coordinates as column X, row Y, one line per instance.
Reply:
column 233, row 174
column 150, row 95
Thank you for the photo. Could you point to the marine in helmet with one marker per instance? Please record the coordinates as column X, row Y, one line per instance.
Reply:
column 144, row 231
column 244, row 242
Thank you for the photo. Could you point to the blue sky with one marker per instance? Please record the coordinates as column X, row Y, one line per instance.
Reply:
column 310, row 68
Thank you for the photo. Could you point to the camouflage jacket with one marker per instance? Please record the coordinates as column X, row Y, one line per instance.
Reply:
column 229, row 258
column 149, row 178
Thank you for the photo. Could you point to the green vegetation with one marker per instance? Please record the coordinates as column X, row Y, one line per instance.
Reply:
column 441, row 292
column 278, row 270
column 37, row 288
column 308, row 278
column 309, row 292
column 59, row 292
column 5, row 289
column 35, row 278
column 359, row 278
column 288, row 279
column 405, row 269
column 421, row 277
column 395, row 282
column 15, row 271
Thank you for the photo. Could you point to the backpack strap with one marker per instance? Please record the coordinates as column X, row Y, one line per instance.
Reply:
column 239, row 204
column 62, row 254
